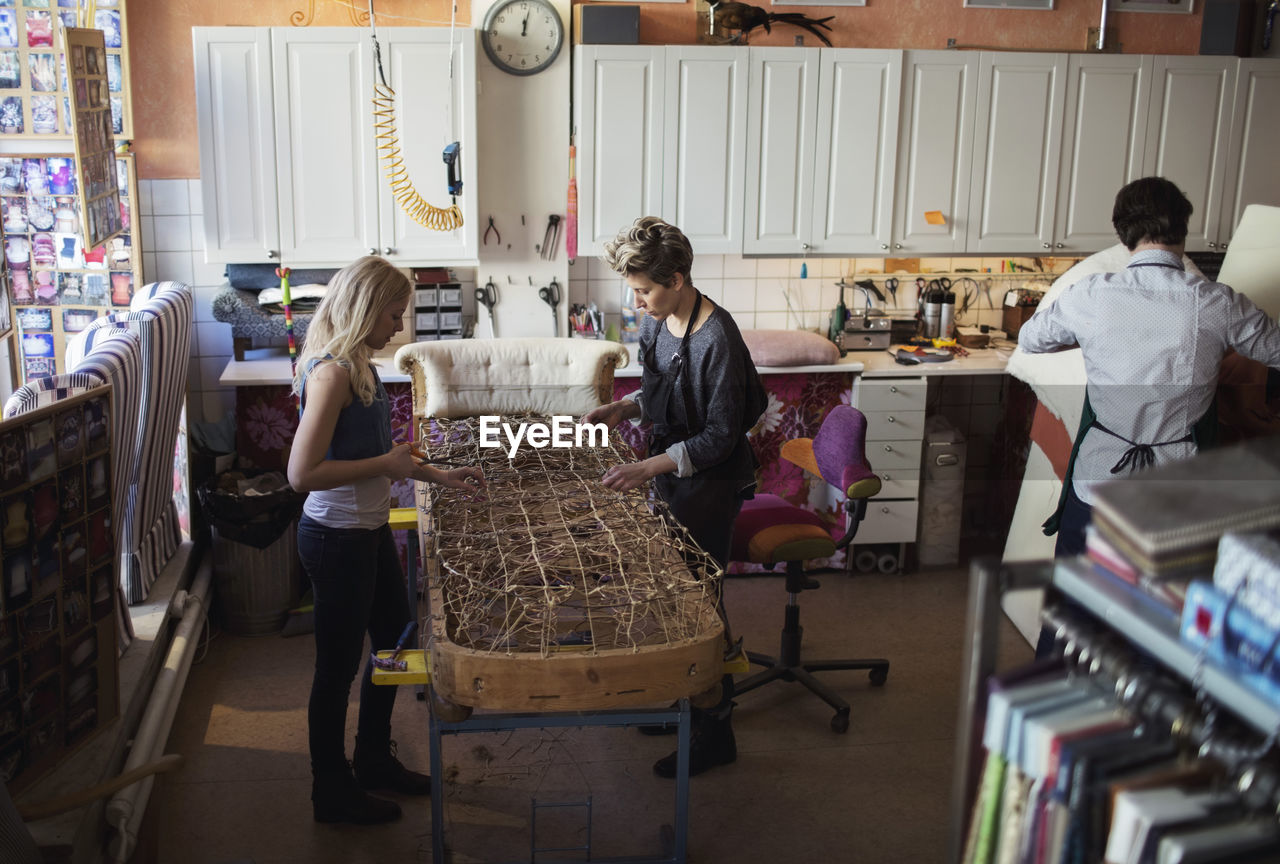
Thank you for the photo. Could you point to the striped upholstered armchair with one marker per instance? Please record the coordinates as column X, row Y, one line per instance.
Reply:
column 115, row 359
column 160, row 315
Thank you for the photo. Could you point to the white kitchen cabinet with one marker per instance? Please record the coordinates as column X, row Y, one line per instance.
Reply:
column 856, row 152
column 1251, row 155
column 237, row 143
column 290, row 171
column 935, row 141
column 620, row 122
column 781, row 127
column 1018, row 135
column 704, row 145
column 1104, row 137
column 1188, row 129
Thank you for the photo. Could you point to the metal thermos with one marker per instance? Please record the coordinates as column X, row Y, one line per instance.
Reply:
column 947, row 318
column 932, row 314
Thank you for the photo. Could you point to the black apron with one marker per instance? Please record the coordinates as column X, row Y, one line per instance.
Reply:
column 707, row 502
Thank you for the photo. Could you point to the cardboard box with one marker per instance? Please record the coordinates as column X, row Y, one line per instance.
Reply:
column 1015, row 317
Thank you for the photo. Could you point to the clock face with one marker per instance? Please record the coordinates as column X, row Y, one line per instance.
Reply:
column 522, row 36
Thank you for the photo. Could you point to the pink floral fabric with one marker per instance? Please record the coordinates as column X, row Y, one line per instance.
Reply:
column 798, row 403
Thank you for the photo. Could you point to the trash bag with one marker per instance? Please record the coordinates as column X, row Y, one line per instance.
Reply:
column 250, row 507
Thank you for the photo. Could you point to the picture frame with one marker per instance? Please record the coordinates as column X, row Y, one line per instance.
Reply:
column 819, row 2
column 1042, row 5
column 1176, row 7
column 35, row 95
column 92, row 134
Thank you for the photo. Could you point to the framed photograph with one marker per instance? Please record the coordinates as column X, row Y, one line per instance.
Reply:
column 819, row 2
column 1008, row 4
column 1176, row 6
column 95, row 146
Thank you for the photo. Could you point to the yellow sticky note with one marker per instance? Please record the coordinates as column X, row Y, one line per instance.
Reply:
column 934, row 217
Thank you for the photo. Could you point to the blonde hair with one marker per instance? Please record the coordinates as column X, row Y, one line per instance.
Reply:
column 652, row 248
column 356, row 295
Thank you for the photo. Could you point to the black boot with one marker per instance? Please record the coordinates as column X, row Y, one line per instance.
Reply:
column 711, row 744
column 382, row 770
column 336, row 797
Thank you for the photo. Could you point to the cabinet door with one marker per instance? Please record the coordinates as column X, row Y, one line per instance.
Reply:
column 781, row 122
column 1253, row 177
column 432, row 110
column 237, row 143
column 934, row 151
column 1018, row 135
column 857, row 154
column 1187, row 134
column 705, row 145
column 324, row 144
column 1104, row 136
column 620, row 127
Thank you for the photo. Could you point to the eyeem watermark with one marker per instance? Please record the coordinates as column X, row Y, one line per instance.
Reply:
column 561, row 432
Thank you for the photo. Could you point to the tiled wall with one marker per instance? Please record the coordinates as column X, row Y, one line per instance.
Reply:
column 769, row 293
column 755, row 290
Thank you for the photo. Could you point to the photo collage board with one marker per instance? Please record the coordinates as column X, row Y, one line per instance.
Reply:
column 95, row 147
column 35, row 91
column 58, row 570
column 56, row 284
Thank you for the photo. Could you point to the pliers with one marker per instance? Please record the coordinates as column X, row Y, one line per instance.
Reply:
column 496, row 233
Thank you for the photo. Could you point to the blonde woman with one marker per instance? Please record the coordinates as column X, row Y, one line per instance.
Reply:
column 343, row 456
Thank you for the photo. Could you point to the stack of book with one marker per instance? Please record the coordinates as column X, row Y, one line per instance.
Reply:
column 1160, row 528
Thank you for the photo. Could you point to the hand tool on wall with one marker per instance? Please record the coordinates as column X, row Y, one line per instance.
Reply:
column 496, row 233
column 488, row 298
column 551, row 239
column 551, row 296
column 891, row 285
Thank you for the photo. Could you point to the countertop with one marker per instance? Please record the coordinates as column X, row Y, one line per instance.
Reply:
column 270, row 366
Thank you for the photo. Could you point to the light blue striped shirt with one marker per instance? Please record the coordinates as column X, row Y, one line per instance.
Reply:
column 1153, row 337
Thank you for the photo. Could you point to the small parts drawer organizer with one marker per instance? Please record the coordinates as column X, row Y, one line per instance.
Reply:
column 437, row 305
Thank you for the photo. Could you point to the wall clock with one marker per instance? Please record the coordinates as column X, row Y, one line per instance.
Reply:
column 522, row 37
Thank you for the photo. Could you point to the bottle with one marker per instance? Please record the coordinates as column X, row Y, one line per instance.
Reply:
column 933, row 314
column 947, row 318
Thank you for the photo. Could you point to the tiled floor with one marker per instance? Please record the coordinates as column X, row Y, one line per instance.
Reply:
column 798, row 791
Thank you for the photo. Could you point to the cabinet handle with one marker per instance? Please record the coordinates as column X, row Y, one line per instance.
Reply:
column 271, row 253
column 884, row 509
column 890, row 419
column 1059, row 245
column 888, row 449
column 388, row 251
column 1222, row 246
column 373, row 251
column 1048, row 246
column 1213, row 245
column 897, row 245
column 893, row 389
column 805, row 246
column 885, row 477
column 884, row 245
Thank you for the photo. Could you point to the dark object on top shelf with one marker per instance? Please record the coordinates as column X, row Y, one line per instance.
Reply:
column 744, row 18
column 1227, row 27
column 255, row 277
column 607, row 24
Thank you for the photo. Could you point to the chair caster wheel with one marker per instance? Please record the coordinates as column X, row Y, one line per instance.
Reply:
column 878, row 677
column 840, row 721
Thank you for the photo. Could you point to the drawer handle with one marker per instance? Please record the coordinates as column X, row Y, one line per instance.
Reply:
column 884, row 509
column 885, row 477
column 888, row 449
column 893, row 389
column 890, row 419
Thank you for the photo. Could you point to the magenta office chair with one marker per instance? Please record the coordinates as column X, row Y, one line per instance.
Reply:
column 769, row 530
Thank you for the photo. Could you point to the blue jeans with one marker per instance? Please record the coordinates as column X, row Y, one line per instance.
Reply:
column 359, row 587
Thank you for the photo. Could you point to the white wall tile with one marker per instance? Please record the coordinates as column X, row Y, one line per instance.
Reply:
column 193, row 377
column 197, row 233
column 195, row 195
column 808, row 293
column 739, row 295
column 745, row 320
column 713, row 288
column 607, row 294
column 777, row 268
column 737, row 267
column 215, row 339
column 170, row 233
column 174, row 266
column 144, row 198
column 205, row 273
column 148, row 267
column 707, row 267
column 830, row 268
column 170, row 198
column 148, row 233
column 774, row 321
column 770, row 295
column 577, row 290
column 203, row 296
column 218, row 403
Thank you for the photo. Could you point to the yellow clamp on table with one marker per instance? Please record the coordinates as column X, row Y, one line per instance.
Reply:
column 403, row 519
column 419, row 671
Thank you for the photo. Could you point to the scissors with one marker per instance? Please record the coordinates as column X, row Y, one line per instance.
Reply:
column 551, row 296
column 891, row 285
column 488, row 298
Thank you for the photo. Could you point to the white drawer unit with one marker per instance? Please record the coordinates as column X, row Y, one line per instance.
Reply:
column 425, row 298
column 888, row 521
column 895, row 425
column 890, row 394
column 892, row 455
column 898, row 484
